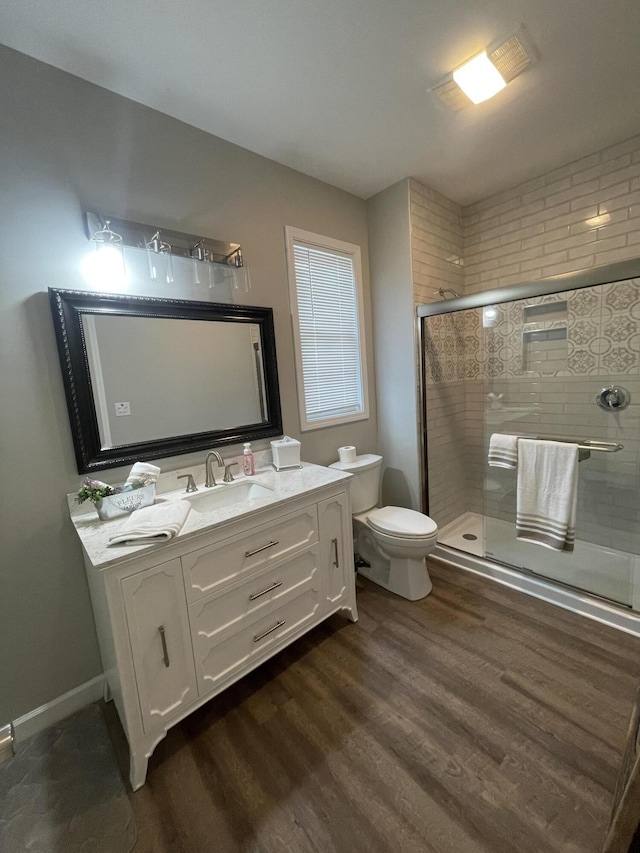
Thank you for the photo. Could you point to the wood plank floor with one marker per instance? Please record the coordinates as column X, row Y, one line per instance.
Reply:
column 478, row 719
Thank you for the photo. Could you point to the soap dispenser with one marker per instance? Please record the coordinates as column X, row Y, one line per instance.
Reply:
column 248, row 465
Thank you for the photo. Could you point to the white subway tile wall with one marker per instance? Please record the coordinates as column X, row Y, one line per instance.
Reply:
column 582, row 215
column 436, row 243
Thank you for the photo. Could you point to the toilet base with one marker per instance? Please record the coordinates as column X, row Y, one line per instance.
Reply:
column 412, row 582
column 408, row 578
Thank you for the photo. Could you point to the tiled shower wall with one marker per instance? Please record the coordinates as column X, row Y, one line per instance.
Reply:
column 436, row 243
column 582, row 215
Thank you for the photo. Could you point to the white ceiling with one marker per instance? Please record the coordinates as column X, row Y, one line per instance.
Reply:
column 338, row 89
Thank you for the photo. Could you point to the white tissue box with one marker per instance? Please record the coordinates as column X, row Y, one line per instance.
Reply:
column 112, row 506
column 286, row 453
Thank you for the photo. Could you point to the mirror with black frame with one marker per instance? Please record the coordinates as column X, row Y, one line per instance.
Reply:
column 147, row 377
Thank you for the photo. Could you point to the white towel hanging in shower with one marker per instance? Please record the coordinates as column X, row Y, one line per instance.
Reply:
column 547, row 493
column 503, row 450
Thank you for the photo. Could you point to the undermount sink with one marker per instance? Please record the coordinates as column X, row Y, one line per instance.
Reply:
column 227, row 494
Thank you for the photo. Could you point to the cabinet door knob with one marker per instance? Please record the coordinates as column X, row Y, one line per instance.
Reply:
column 264, row 548
column 258, row 637
column 336, row 562
column 165, row 653
column 274, row 585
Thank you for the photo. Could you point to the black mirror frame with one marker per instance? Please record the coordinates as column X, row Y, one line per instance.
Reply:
column 67, row 308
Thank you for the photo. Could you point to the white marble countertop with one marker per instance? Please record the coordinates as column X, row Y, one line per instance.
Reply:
column 286, row 485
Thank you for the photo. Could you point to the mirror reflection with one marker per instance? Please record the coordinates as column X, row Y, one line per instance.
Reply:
column 153, row 378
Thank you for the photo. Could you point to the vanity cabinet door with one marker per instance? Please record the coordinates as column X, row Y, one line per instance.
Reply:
column 336, row 551
column 158, row 623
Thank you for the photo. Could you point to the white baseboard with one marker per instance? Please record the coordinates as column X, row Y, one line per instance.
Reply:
column 47, row 715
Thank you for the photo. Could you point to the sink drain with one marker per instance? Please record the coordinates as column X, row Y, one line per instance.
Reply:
column 470, row 536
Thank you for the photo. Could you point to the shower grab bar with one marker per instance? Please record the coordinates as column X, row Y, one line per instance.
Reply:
column 586, row 443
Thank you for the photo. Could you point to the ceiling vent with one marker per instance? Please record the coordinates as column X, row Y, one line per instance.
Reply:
column 510, row 59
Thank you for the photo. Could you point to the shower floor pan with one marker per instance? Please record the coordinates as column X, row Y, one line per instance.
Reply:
column 589, row 571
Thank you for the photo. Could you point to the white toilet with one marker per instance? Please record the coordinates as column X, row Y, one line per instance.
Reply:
column 392, row 539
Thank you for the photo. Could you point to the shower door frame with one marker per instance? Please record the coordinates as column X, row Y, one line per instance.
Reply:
column 580, row 602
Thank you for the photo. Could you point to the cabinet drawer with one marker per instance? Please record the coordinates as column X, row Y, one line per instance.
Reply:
column 265, row 592
column 218, row 659
column 208, row 570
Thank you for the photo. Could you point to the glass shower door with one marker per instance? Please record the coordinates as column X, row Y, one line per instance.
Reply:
column 544, row 361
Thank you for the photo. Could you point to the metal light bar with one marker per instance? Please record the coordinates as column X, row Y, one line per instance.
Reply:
column 152, row 237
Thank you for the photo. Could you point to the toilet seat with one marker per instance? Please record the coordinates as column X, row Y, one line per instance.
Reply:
column 402, row 523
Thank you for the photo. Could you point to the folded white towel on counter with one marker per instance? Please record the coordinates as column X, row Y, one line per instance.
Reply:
column 153, row 523
column 503, row 450
column 547, row 493
column 143, row 471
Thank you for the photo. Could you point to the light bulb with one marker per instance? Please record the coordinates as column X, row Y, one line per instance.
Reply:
column 479, row 78
column 104, row 269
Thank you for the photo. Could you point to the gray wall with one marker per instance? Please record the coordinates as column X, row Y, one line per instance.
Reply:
column 67, row 146
column 394, row 324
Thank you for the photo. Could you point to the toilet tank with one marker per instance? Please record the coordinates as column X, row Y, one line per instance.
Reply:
column 365, row 486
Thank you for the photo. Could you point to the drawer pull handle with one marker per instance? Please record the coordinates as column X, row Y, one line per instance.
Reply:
column 258, row 637
column 264, row 548
column 336, row 562
column 265, row 591
column 165, row 653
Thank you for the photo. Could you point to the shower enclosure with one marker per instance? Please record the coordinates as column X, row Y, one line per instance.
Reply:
column 532, row 360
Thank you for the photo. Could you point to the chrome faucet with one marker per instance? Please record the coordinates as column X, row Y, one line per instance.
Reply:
column 209, row 479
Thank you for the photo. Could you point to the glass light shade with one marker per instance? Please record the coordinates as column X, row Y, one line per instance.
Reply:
column 104, row 269
column 479, row 79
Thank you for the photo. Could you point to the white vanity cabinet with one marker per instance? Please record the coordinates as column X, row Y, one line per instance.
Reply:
column 181, row 622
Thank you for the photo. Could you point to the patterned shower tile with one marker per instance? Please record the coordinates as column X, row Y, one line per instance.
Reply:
column 620, row 327
column 471, row 369
column 619, row 359
column 585, row 303
column 436, row 372
column 581, row 361
column 492, row 341
column 493, row 367
column 600, row 345
column 449, row 346
column 511, row 360
column 621, row 296
column 470, row 320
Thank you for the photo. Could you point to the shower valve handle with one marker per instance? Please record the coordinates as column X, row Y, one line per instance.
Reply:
column 614, row 398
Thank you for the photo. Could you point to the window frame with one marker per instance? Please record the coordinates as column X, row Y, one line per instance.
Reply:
column 331, row 245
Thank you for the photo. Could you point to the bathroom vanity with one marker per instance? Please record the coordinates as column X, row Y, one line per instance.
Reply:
column 179, row 622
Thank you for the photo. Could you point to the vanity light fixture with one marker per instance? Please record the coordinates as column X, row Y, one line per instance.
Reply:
column 159, row 255
column 105, row 268
column 488, row 72
column 213, row 261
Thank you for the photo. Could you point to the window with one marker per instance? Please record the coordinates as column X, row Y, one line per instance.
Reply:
column 325, row 286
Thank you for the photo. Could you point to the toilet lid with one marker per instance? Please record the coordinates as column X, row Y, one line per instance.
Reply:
column 398, row 521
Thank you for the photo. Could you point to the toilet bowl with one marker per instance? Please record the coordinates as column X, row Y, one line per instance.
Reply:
column 393, row 540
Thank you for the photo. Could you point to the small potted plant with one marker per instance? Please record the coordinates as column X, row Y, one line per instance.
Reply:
column 112, row 501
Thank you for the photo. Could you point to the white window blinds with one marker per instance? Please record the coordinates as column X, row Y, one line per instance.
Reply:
column 326, row 303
